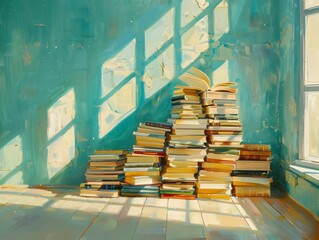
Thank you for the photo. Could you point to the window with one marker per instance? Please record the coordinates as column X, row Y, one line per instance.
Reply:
column 309, row 145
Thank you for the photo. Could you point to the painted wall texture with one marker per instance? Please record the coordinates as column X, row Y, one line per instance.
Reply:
column 300, row 189
column 80, row 75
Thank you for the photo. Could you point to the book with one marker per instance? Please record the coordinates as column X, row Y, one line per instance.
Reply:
column 143, row 180
column 187, row 111
column 188, row 121
column 183, row 101
column 218, row 166
column 260, row 191
column 215, row 122
column 189, row 126
column 140, row 158
column 224, row 128
column 213, row 196
column 250, row 173
column 223, row 156
column 253, row 165
column 166, row 126
column 177, row 191
column 111, row 151
column 106, row 164
column 182, row 163
column 99, row 186
column 256, row 157
column 178, row 177
column 188, row 107
column 141, row 173
column 256, row 147
column 219, row 102
column 102, row 171
column 220, row 161
column 221, row 110
column 189, row 132
column 178, row 186
column 214, row 178
column 196, row 79
column 153, row 127
column 141, row 164
column 244, row 152
column 225, row 138
column 212, row 185
column 150, row 144
column 224, row 87
column 126, row 194
column 149, row 135
column 107, row 157
column 186, row 97
column 250, row 181
column 187, row 169
column 184, row 144
column 193, row 157
column 103, row 183
column 225, row 191
column 224, row 144
column 218, row 95
column 198, row 138
column 179, row 196
column 217, row 175
column 186, row 151
column 151, row 131
column 141, row 169
column 183, row 90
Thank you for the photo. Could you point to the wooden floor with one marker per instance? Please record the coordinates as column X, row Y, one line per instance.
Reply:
column 61, row 214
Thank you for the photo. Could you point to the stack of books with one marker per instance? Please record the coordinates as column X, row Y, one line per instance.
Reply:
column 224, row 137
column 251, row 177
column 179, row 174
column 214, row 180
column 143, row 167
column 104, row 174
column 186, row 144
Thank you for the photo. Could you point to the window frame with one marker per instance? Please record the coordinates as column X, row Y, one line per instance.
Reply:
column 303, row 160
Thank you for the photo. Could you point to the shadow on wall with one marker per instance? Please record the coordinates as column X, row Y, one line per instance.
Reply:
column 102, row 68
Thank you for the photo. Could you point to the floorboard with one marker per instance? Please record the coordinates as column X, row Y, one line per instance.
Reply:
column 115, row 217
column 27, row 213
column 184, row 220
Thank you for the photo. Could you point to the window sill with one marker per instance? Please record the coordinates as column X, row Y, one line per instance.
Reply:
column 310, row 174
column 307, row 164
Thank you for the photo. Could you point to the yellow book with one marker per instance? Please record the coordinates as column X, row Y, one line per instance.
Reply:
column 149, row 173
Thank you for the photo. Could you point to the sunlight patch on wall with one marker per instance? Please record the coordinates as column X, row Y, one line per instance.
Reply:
column 159, row 33
column 312, row 116
column 221, row 74
column 191, row 9
column 194, row 41
column 16, row 178
column 117, row 107
column 159, row 72
column 221, row 22
column 61, row 152
column 61, row 113
column 118, row 68
column 11, row 156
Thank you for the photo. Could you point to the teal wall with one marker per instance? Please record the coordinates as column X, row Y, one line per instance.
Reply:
column 289, row 80
column 57, row 105
column 303, row 191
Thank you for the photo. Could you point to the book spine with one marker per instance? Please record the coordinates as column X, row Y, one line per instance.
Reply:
column 159, row 125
